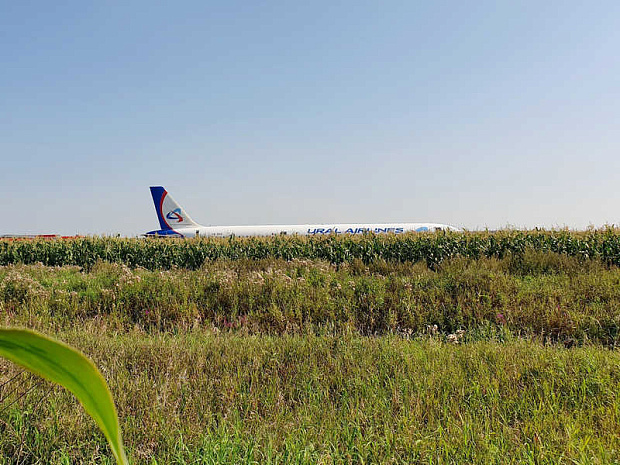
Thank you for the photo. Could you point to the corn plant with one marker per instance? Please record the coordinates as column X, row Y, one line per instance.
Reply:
column 66, row 366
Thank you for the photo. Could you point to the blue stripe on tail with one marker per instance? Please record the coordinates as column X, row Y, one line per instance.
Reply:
column 158, row 193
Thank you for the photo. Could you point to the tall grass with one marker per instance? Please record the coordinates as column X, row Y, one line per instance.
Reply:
column 433, row 348
column 554, row 297
column 204, row 397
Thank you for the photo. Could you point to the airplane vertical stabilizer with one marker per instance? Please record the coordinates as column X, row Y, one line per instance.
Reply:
column 170, row 214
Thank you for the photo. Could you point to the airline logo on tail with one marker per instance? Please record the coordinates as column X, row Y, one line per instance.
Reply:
column 175, row 215
column 169, row 213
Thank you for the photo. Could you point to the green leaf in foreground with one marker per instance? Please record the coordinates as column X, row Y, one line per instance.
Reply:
column 66, row 366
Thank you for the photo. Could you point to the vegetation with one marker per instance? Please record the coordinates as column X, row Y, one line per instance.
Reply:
column 205, row 397
column 554, row 297
column 67, row 367
column 486, row 348
column 431, row 248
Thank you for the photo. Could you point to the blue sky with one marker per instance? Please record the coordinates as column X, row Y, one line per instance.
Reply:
column 477, row 114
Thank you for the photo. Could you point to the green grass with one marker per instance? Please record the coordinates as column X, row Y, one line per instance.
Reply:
column 550, row 296
column 507, row 358
column 225, row 398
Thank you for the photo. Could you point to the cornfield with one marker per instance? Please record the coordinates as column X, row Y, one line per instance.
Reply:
column 432, row 248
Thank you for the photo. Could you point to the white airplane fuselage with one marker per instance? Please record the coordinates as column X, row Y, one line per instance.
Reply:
column 175, row 222
column 309, row 229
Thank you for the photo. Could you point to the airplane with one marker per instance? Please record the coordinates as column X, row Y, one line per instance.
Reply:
column 175, row 222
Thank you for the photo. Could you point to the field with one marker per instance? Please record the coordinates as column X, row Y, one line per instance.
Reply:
column 432, row 348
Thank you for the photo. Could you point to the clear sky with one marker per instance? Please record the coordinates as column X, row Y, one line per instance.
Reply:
column 477, row 114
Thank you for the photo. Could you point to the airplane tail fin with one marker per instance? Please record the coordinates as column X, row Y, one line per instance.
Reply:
column 169, row 213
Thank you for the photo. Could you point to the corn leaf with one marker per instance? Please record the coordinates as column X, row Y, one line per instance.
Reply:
column 66, row 366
